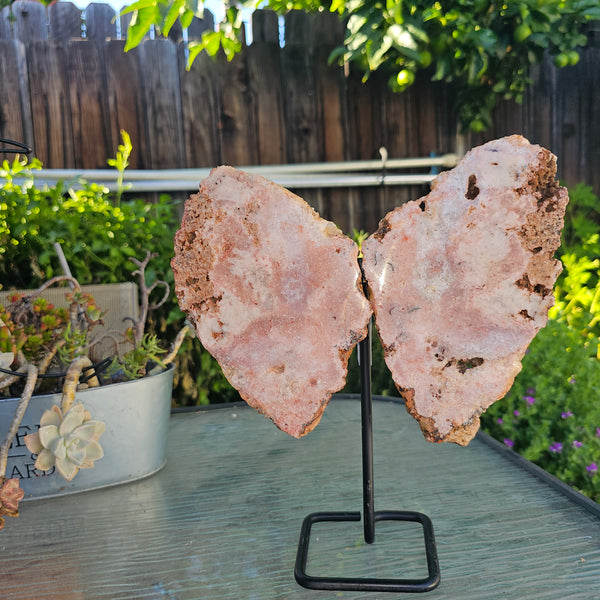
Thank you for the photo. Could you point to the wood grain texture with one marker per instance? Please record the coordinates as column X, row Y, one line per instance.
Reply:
column 15, row 111
column 64, row 22
column 126, row 101
column 29, row 20
column 159, row 73
column 301, row 112
column 264, row 83
column 281, row 104
column 199, row 99
column 89, row 105
column 5, row 23
column 99, row 21
column 236, row 123
column 222, row 519
column 50, row 103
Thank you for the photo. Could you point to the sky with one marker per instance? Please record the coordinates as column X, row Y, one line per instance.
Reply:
column 215, row 6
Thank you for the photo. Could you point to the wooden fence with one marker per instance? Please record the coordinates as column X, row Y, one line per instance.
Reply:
column 67, row 88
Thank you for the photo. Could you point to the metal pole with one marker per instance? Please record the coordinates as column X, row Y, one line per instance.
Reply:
column 364, row 352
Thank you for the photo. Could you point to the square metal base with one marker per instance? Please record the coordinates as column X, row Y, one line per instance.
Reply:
column 368, row 584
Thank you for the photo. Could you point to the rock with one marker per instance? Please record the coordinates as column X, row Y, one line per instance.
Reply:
column 461, row 281
column 274, row 293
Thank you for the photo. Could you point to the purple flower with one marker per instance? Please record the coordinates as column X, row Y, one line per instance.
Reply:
column 556, row 447
column 516, row 413
column 572, row 380
column 566, row 415
column 577, row 444
column 592, row 468
column 531, row 392
column 509, row 443
column 529, row 399
column 597, row 431
column 499, row 420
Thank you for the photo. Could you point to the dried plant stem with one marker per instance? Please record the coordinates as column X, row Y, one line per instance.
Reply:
column 32, row 373
column 53, row 281
column 72, row 380
column 7, row 380
column 139, row 326
column 45, row 362
column 176, row 345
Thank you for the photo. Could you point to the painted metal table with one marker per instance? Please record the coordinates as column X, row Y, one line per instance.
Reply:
column 222, row 519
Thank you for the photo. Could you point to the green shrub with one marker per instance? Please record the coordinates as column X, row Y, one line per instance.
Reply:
column 98, row 238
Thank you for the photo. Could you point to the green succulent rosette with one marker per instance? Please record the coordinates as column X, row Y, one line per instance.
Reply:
column 68, row 442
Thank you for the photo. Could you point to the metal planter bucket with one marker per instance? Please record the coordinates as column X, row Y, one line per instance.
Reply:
column 137, row 423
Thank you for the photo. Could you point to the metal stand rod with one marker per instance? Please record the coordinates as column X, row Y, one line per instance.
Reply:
column 364, row 354
column 370, row 517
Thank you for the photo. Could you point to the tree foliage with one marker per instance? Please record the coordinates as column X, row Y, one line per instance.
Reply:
column 486, row 49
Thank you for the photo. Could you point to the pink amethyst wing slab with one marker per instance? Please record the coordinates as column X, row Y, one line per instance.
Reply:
column 461, row 281
column 274, row 293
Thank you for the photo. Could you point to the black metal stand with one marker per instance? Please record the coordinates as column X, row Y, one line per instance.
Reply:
column 14, row 147
column 370, row 515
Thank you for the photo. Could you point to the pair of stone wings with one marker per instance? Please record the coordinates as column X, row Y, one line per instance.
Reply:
column 459, row 282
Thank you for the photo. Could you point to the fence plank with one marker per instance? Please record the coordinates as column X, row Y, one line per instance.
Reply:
column 332, row 129
column 15, row 112
column 270, row 105
column 100, row 22
column 265, row 27
column 540, row 115
column 159, row 72
column 89, row 105
column 589, row 116
column 199, row 26
column 576, row 98
column 30, row 21
column 299, row 89
column 199, row 106
column 6, row 23
column 64, row 22
column 264, row 81
column 236, row 121
column 50, row 107
column 124, row 89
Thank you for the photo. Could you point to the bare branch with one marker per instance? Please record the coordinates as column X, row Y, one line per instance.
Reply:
column 139, row 325
column 165, row 295
column 32, row 373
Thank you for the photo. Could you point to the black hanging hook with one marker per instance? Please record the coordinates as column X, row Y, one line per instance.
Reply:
column 19, row 148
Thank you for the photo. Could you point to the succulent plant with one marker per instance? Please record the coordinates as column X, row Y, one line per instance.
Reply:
column 10, row 494
column 38, row 341
column 69, row 442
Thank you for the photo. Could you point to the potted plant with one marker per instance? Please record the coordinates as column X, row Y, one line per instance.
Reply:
column 65, row 407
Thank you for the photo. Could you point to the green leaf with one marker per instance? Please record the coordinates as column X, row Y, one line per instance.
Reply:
column 211, row 41
column 140, row 4
column 186, row 18
column 140, row 25
column 176, row 8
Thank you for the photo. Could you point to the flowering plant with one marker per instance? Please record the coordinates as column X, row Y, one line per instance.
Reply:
column 551, row 415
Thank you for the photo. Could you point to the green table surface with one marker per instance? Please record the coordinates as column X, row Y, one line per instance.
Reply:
column 223, row 518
